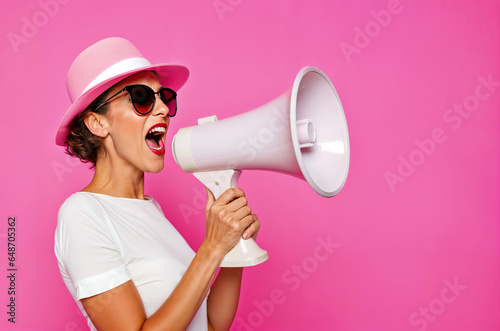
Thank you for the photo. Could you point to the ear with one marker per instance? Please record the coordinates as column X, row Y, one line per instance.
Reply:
column 96, row 123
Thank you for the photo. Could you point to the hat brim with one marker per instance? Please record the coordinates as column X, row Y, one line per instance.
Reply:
column 170, row 75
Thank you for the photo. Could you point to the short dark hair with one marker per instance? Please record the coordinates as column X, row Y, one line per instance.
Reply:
column 80, row 142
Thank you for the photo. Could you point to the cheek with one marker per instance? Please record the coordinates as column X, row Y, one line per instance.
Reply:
column 127, row 130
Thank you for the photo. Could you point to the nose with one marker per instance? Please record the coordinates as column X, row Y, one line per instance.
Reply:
column 160, row 108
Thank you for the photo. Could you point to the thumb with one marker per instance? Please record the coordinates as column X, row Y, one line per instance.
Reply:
column 210, row 198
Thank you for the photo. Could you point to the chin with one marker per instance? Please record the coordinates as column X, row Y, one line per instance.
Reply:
column 155, row 168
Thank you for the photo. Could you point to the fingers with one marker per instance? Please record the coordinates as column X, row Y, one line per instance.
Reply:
column 238, row 220
column 232, row 201
column 230, row 195
column 210, row 198
column 239, row 207
column 253, row 229
column 229, row 218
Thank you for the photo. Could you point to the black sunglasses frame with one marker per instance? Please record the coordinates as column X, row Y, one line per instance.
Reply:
column 150, row 90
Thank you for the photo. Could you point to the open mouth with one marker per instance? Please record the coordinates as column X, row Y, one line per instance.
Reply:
column 154, row 138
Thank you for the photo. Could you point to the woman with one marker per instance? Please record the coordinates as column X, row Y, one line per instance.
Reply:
column 123, row 262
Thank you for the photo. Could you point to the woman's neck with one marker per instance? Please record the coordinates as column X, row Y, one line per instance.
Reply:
column 117, row 180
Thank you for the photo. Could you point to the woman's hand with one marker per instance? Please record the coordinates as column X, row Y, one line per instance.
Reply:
column 228, row 219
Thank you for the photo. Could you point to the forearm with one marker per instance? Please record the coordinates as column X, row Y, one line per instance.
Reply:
column 223, row 299
column 183, row 303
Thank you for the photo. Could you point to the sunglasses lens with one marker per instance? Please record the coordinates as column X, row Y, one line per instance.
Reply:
column 142, row 98
column 169, row 99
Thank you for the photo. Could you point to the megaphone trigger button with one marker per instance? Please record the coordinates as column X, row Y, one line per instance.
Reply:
column 206, row 120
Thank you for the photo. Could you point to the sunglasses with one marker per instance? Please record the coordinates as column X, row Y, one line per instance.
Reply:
column 143, row 98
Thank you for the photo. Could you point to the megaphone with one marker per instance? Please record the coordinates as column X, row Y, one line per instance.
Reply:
column 302, row 133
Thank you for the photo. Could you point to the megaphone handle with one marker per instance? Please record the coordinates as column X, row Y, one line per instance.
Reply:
column 218, row 181
column 246, row 253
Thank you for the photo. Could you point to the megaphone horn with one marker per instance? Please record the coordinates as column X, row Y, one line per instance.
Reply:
column 302, row 133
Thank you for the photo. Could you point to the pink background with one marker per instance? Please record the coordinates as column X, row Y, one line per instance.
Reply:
column 414, row 234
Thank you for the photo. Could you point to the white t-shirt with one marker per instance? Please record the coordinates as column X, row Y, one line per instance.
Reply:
column 102, row 242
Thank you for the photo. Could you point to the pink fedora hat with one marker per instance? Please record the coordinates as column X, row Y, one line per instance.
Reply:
column 101, row 66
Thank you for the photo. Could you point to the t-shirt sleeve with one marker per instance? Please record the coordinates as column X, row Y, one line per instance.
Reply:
column 86, row 248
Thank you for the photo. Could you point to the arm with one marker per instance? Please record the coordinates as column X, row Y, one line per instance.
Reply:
column 223, row 299
column 225, row 292
column 121, row 308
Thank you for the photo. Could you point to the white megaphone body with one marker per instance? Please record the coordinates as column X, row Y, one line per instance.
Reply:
column 302, row 133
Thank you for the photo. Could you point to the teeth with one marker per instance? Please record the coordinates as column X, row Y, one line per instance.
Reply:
column 159, row 129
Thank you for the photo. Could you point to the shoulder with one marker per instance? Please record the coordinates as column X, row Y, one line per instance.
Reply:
column 79, row 207
column 81, row 219
column 79, row 201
